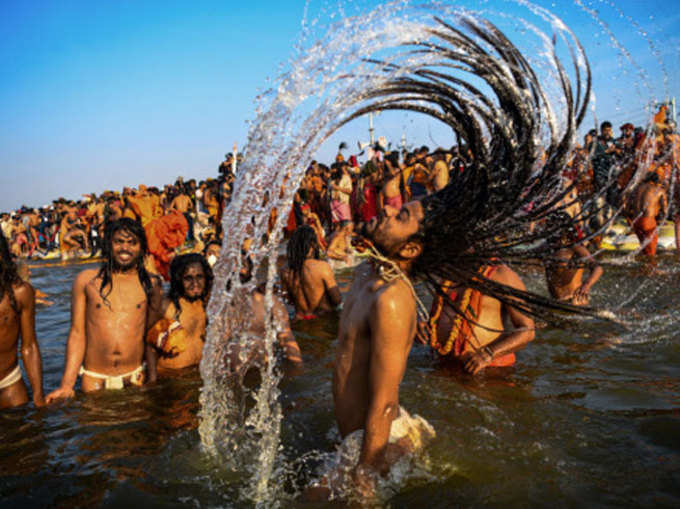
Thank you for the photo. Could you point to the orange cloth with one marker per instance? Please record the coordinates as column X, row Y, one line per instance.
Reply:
column 660, row 116
column 167, row 336
column 163, row 235
column 645, row 228
column 470, row 308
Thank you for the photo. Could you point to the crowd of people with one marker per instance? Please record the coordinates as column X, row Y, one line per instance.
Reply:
column 124, row 331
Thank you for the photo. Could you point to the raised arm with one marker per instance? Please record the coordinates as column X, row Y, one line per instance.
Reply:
column 75, row 345
column 30, row 352
column 392, row 328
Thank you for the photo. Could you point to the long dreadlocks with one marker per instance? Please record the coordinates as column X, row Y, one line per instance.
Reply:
column 178, row 268
column 109, row 266
column 299, row 244
column 8, row 273
column 514, row 179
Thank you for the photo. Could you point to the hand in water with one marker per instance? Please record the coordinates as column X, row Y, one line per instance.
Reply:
column 476, row 361
column 581, row 295
column 60, row 393
column 363, row 478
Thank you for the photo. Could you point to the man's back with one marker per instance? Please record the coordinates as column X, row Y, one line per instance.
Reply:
column 310, row 290
column 648, row 200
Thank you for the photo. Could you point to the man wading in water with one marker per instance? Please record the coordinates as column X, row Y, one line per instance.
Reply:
column 109, row 309
column 377, row 327
column 17, row 319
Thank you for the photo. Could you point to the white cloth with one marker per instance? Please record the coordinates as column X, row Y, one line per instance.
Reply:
column 116, row 381
column 12, row 378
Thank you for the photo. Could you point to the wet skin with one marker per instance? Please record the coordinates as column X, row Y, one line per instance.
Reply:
column 15, row 325
column 107, row 335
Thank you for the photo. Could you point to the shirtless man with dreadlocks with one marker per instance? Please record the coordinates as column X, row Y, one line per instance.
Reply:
column 309, row 282
column 178, row 334
column 109, row 315
column 376, row 331
column 17, row 319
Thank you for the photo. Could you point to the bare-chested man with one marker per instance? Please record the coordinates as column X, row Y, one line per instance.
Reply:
column 17, row 320
column 309, row 282
column 72, row 235
column 255, row 354
column 178, row 334
column 486, row 332
column 340, row 243
column 377, row 327
column 564, row 272
column 645, row 209
column 109, row 315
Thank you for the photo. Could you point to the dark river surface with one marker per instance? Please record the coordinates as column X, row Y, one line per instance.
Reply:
column 590, row 416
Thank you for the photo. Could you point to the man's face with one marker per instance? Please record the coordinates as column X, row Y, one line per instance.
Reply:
column 607, row 132
column 392, row 228
column 193, row 281
column 627, row 132
column 126, row 250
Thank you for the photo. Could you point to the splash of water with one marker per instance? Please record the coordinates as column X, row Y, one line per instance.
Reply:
column 442, row 60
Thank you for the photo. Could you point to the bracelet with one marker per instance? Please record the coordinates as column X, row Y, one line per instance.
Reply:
column 487, row 351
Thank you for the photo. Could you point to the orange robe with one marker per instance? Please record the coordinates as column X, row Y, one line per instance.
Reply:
column 163, row 236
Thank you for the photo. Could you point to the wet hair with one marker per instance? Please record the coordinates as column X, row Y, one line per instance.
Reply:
column 8, row 273
column 514, row 177
column 300, row 242
column 178, row 268
column 107, row 269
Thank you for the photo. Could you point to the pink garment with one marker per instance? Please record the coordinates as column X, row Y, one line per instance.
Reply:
column 340, row 211
column 394, row 201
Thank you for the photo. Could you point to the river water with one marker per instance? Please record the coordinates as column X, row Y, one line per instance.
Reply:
column 589, row 416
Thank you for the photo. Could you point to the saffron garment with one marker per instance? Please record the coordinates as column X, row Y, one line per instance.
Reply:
column 163, row 236
column 645, row 229
column 168, row 336
column 461, row 339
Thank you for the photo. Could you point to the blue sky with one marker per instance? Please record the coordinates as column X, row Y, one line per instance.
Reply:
column 98, row 95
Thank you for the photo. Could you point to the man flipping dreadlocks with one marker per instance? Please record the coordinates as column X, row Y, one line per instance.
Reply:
column 110, row 307
column 17, row 316
column 178, row 332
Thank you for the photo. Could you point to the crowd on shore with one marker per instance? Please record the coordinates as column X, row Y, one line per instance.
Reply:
column 124, row 331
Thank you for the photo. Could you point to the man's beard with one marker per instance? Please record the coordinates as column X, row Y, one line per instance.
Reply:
column 124, row 267
column 192, row 299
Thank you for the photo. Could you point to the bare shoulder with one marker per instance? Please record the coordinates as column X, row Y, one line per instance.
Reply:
column 85, row 277
column 394, row 298
column 23, row 292
column 506, row 276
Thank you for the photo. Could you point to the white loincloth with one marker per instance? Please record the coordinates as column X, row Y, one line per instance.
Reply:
column 12, row 378
column 336, row 471
column 116, row 381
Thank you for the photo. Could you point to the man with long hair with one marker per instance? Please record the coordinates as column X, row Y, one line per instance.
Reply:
column 309, row 282
column 17, row 315
column 110, row 307
column 177, row 336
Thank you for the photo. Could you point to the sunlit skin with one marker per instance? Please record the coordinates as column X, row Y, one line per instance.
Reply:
column 14, row 326
column 376, row 332
column 107, row 336
column 315, row 291
column 192, row 318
